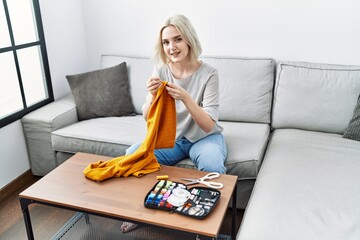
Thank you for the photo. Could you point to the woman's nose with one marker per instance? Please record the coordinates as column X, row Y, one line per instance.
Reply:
column 172, row 45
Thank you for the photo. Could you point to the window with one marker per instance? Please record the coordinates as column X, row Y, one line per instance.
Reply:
column 25, row 83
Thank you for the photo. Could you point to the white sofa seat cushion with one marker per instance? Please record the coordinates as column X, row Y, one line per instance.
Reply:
column 318, row 97
column 246, row 144
column 109, row 136
column 307, row 188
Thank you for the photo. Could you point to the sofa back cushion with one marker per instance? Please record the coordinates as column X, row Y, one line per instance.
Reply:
column 317, row 97
column 245, row 84
column 139, row 70
column 245, row 88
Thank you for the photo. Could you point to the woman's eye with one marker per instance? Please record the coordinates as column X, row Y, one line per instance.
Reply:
column 165, row 43
column 178, row 40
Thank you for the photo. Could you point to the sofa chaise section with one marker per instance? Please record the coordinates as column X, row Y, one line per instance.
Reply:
column 307, row 188
column 308, row 184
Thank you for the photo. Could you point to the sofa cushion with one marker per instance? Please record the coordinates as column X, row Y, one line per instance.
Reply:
column 246, row 86
column 246, row 144
column 102, row 93
column 319, row 97
column 139, row 71
column 307, row 188
column 353, row 130
column 246, row 83
column 109, row 136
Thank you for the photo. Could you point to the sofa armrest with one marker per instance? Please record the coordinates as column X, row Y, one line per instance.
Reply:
column 38, row 126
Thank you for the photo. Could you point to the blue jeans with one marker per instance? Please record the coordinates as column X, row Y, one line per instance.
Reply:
column 208, row 154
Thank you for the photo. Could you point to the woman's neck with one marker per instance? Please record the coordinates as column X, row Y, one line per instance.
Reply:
column 182, row 70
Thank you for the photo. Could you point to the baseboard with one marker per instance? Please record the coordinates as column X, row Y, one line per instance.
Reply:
column 16, row 184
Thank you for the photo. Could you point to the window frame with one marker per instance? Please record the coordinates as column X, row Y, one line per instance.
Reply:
column 45, row 64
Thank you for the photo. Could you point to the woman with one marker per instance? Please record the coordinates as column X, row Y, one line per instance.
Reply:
column 195, row 87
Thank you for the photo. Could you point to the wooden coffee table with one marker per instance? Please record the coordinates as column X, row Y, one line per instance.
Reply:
column 122, row 198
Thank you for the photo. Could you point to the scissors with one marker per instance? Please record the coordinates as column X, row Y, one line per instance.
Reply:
column 202, row 180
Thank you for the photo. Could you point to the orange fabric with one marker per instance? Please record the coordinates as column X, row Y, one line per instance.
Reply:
column 161, row 132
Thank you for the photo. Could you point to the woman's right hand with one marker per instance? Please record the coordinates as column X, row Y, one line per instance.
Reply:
column 153, row 85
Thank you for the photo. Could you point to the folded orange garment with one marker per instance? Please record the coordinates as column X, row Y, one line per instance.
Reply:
column 161, row 132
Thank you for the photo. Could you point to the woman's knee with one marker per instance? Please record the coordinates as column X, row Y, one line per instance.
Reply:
column 210, row 154
column 212, row 163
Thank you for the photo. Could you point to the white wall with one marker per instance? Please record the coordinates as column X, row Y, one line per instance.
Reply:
column 13, row 156
column 300, row 30
column 66, row 48
column 65, row 41
column 77, row 32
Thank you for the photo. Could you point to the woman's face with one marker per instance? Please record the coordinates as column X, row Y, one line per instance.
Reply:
column 174, row 45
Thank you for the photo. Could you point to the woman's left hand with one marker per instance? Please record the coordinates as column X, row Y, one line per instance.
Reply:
column 176, row 92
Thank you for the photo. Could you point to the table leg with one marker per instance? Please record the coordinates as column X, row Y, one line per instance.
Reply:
column 87, row 218
column 198, row 237
column 25, row 210
column 233, row 208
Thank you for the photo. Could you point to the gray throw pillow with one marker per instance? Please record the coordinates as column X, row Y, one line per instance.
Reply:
column 353, row 130
column 102, row 93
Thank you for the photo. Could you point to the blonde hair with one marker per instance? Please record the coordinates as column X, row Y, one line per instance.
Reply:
column 187, row 31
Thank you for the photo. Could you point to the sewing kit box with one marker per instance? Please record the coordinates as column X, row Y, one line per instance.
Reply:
column 196, row 202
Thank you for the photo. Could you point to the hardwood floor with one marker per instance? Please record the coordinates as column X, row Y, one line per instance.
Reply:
column 10, row 211
column 46, row 220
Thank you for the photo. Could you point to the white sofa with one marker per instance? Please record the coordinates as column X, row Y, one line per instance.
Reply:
column 285, row 119
column 53, row 133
